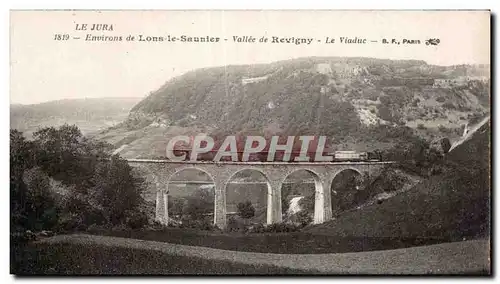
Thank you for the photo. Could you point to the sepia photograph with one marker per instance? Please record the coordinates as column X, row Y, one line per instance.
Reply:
column 250, row 142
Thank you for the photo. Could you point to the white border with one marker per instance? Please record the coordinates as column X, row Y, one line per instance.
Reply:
column 493, row 5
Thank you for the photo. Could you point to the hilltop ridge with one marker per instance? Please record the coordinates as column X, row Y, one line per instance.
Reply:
column 364, row 103
column 89, row 114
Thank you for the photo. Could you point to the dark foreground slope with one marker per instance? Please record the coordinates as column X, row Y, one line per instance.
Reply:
column 454, row 205
column 71, row 259
column 84, row 254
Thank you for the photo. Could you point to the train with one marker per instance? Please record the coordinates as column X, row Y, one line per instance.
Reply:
column 338, row 156
column 354, row 156
column 349, row 156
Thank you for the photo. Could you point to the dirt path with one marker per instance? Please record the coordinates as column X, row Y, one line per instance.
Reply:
column 448, row 258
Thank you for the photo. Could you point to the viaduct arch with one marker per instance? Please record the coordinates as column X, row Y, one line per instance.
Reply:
column 275, row 173
column 269, row 199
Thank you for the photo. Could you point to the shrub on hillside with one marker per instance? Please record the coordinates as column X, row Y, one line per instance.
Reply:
column 136, row 219
column 282, row 228
column 449, row 105
column 441, row 99
column 183, row 122
column 444, row 129
column 385, row 112
column 389, row 180
column 415, row 102
column 475, row 117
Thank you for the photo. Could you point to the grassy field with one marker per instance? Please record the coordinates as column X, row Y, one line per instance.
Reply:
column 87, row 254
column 71, row 259
column 285, row 243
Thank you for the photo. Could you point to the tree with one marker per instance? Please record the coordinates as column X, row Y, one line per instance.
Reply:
column 66, row 155
column 20, row 160
column 96, row 189
column 42, row 210
column 246, row 209
column 116, row 190
column 21, row 155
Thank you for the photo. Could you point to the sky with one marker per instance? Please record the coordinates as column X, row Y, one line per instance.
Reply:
column 44, row 69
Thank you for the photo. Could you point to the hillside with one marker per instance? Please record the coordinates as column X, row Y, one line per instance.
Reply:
column 452, row 206
column 359, row 103
column 90, row 115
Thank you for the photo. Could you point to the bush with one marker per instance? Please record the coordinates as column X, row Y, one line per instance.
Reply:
column 449, row 105
column 71, row 223
column 246, row 210
column 234, row 226
column 275, row 228
column 441, row 99
column 136, row 219
column 22, row 237
column 257, row 228
column 183, row 122
column 436, row 170
column 156, row 226
column 94, row 216
column 385, row 113
column 421, row 126
column 444, row 129
column 304, row 218
column 445, row 145
column 392, row 180
column 203, row 224
column 282, row 228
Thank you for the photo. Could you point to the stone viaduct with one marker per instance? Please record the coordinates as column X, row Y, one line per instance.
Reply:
column 275, row 173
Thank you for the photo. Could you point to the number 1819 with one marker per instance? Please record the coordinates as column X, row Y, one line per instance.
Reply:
column 61, row 36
